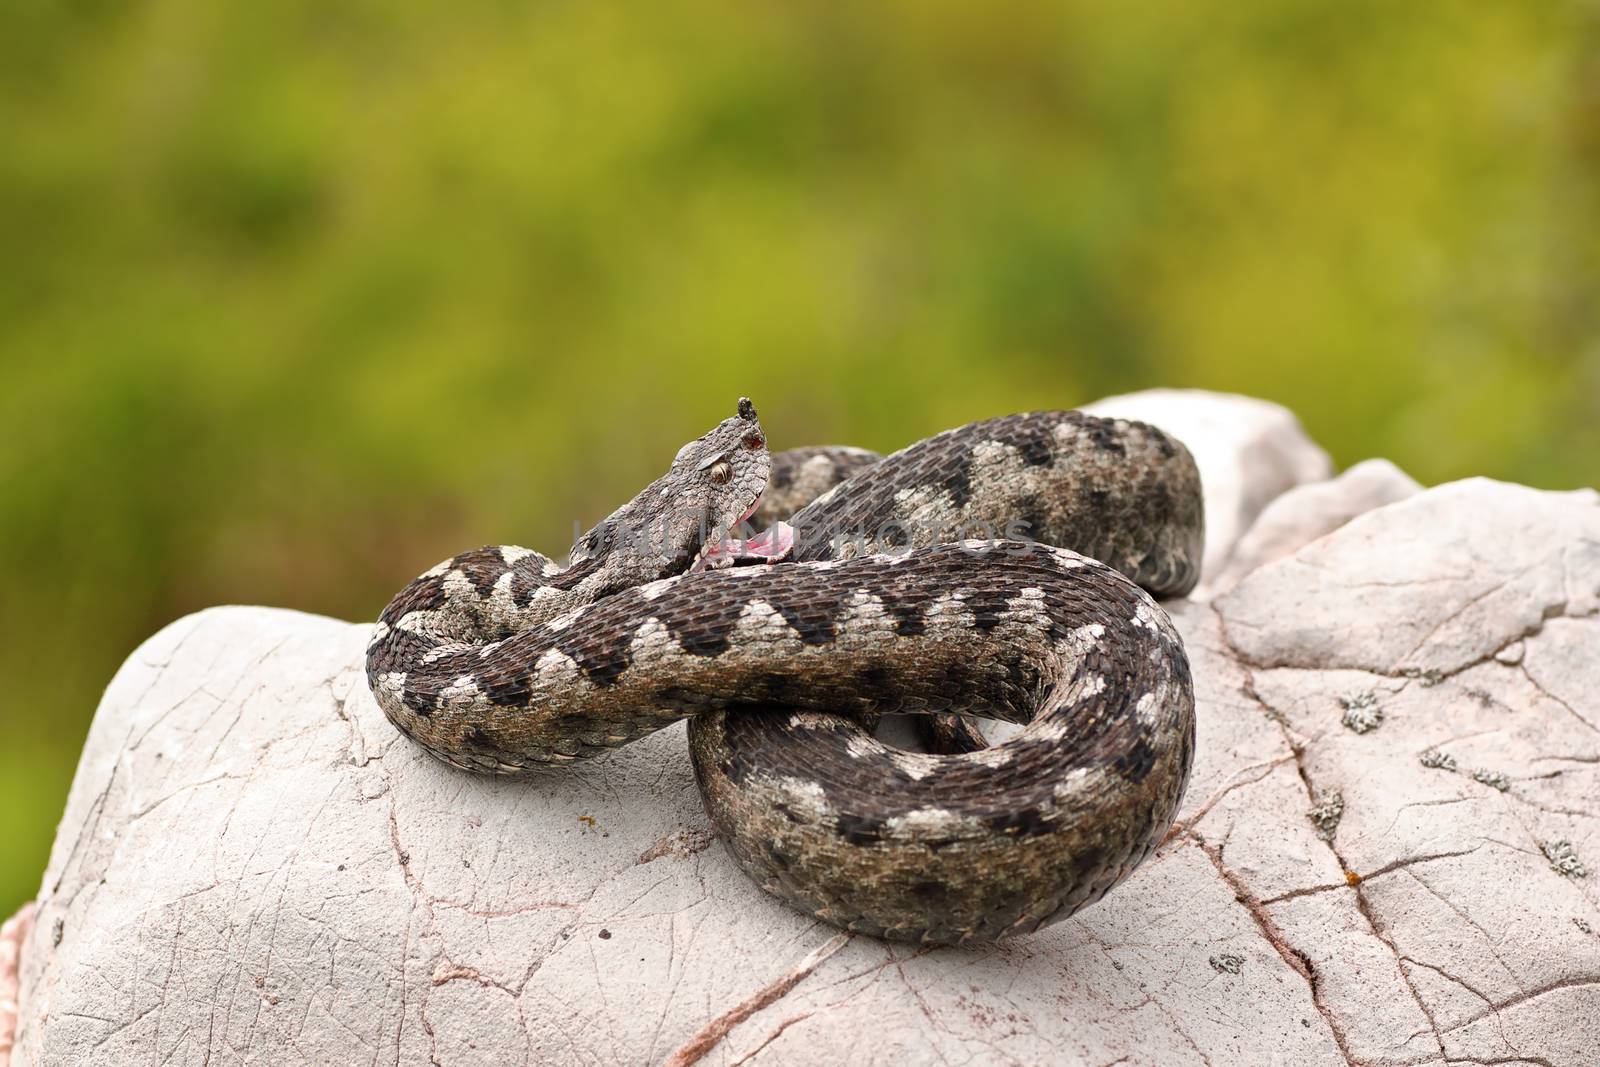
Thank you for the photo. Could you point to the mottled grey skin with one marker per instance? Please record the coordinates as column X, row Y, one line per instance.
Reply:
column 497, row 665
column 975, row 846
column 1120, row 492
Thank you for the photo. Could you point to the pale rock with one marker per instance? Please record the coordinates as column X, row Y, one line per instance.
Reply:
column 13, row 932
column 1425, row 586
column 254, row 867
column 1307, row 512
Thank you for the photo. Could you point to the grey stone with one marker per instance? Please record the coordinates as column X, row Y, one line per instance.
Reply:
column 1307, row 512
column 1424, row 587
column 13, row 932
column 255, row 868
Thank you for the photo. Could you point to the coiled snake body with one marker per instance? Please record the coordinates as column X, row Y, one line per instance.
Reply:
column 500, row 660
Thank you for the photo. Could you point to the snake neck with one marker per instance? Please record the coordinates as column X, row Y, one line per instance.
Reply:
column 657, row 534
column 489, row 593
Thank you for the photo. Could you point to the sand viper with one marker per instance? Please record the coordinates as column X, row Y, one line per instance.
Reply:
column 993, row 570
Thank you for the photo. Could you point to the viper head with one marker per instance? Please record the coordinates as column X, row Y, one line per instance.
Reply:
column 719, row 477
column 714, row 484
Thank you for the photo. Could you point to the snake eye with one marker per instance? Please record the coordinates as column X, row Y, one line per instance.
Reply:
column 721, row 471
column 754, row 441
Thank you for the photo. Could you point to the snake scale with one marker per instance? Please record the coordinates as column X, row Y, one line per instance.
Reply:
column 992, row 570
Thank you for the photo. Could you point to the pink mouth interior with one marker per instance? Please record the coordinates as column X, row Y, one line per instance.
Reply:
column 771, row 545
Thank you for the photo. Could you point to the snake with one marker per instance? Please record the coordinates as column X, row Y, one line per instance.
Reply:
column 1002, row 570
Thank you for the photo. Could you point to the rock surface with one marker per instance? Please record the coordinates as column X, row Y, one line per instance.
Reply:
column 13, row 932
column 1307, row 512
column 1384, row 857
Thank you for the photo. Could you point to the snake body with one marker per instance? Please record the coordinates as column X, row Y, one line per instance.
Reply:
column 992, row 570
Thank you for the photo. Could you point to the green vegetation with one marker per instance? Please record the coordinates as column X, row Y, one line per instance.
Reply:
column 300, row 297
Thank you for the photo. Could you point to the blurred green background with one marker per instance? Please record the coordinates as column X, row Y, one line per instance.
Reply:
column 299, row 297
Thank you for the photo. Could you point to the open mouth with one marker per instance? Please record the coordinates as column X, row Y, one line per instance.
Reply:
column 769, row 546
column 723, row 550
